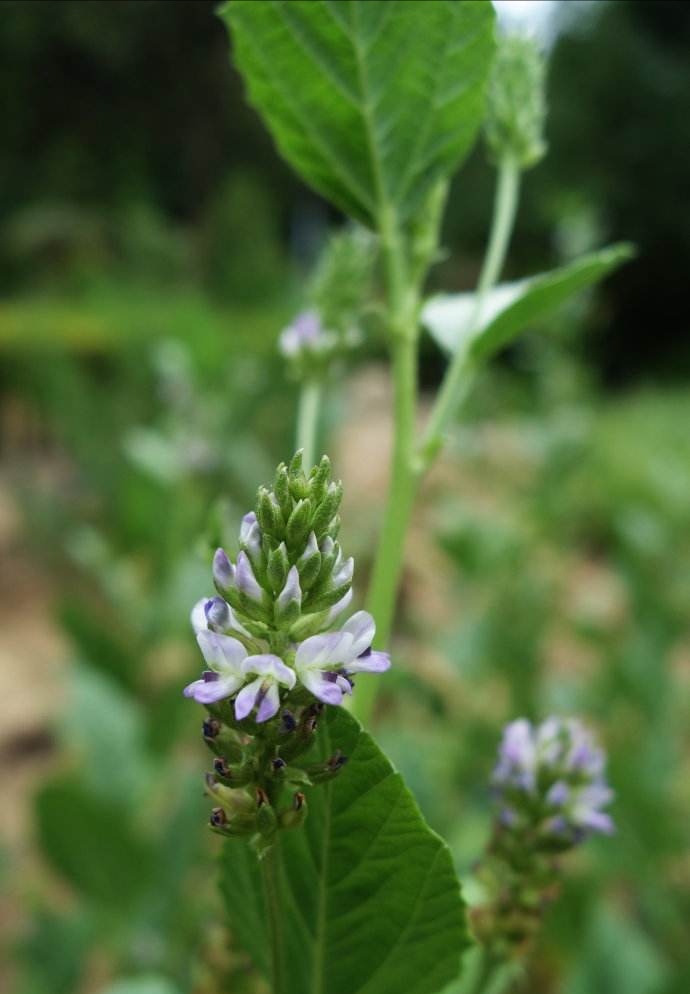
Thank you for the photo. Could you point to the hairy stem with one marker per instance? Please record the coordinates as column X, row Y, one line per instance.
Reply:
column 308, row 419
column 270, row 870
column 460, row 371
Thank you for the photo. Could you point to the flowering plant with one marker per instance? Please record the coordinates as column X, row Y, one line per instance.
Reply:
column 363, row 896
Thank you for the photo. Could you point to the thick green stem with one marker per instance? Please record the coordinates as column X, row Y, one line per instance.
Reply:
column 308, row 419
column 460, row 371
column 270, row 870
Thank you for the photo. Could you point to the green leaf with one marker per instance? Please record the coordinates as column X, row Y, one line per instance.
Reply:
column 91, row 843
column 370, row 900
column 512, row 307
column 370, row 101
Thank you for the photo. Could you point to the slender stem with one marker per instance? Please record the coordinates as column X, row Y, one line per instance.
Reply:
column 308, row 419
column 270, row 870
column 403, row 308
column 459, row 372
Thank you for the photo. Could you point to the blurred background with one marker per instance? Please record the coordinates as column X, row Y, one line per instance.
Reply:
column 152, row 246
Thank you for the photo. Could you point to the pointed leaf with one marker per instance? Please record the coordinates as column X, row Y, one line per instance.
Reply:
column 370, row 900
column 370, row 101
column 512, row 307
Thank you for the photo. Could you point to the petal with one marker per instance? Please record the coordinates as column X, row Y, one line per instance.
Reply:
column 217, row 612
column 270, row 666
column 246, row 698
column 291, row 591
column 373, row 662
column 310, row 548
column 329, row 693
column 323, row 650
column 597, row 821
column 222, row 653
column 248, row 521
column 362, row 628
column 343, row 574
column 198, row 616
column 246, row 581
column 269, row 703
column 223, row 570
column 338, row 608
column 206, row 692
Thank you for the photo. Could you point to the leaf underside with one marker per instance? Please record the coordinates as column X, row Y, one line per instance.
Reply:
column 512, row 307
column 370, row 900
column 370, row 101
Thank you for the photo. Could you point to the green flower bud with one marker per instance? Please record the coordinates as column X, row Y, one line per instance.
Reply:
column 281, row 488
column 327, row 508
column 299, row 525
column 320, row 476
column 328, row 598
column 278, row 567
column 268, row 513
column 516, row 106
column 309, row 563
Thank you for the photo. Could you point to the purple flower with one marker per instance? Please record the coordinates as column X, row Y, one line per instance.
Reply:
column 553, row 772
column 224, row 656
column 325, row 662
column 305, row 334
column 212, row 614
column 263, row 693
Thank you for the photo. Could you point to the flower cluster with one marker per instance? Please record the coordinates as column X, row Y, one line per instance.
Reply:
column 276, row 651
column 550, row 790
column 310, row 347
column 516, row 106
column 551, row 779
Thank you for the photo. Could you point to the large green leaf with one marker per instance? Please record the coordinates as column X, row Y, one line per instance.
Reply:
column 371, row 101
column 512, row 307
column 370, row 899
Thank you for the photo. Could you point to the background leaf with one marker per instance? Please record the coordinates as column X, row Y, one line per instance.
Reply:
column 370, row 102
column 371, row 900
column 512, row 307
column 69, row 818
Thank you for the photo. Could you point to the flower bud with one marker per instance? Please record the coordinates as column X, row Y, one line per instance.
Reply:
column 223, row 572
column 298, row 526
column 289, row 601
column 318, row 482
column 516, row 107
column 309, row 556
column 268, row 513
column 278, row 568
column 281, row 489
column 327, row 508
column 217, row 614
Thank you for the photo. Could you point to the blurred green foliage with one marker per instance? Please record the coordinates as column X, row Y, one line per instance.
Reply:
column 148, row 254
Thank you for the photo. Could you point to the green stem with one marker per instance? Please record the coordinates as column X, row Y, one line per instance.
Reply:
column 459, row 373
column 270, row 870
column 403, row 308
column 307, row 420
